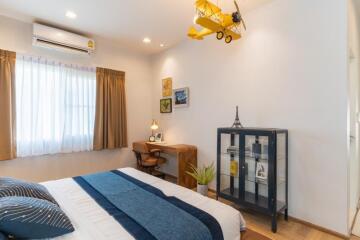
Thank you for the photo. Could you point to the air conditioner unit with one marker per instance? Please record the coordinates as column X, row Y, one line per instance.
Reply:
column 53, row 38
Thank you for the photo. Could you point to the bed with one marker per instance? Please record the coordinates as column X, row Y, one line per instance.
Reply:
column 92, row 222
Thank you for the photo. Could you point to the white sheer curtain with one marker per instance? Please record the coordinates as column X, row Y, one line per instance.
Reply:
column 55, row 106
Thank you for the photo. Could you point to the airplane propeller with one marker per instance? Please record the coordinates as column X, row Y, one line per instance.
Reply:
column 239, row 17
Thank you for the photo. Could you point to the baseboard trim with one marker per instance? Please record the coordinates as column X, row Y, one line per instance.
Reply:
column 309, row 224
column 356, row 215
column 331, row 232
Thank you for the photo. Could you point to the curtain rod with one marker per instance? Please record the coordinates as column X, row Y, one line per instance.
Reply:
column 54, row 59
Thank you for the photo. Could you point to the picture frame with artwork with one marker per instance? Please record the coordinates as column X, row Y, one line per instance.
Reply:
column 166, row 105
column 167, row 87
column 159, row 137
column 181, row 97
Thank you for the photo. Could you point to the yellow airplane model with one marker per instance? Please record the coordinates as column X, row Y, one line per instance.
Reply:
column 210, row 17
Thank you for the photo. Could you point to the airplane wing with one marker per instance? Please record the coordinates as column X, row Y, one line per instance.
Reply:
column 207, row 8
column 209, row 27
column 209, row 24
column 199, row 35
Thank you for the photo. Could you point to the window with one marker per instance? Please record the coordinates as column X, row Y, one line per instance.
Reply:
column 55, row 106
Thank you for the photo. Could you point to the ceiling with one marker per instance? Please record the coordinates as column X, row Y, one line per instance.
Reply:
column 125, row 21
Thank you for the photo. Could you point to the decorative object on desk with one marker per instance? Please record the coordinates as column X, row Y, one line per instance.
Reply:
column 203, row 176
column 167, row 87
column 237, row 123
column 166, row 105
column 261, row 172
column 159, row 137
column 181, row 97
column 154, row 126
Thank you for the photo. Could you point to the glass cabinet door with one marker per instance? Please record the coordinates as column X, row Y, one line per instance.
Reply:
column 281, row 194
column 256, row 170
column 229, row 164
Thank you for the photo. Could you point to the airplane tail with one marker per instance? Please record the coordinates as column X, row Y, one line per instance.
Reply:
column 194, row 34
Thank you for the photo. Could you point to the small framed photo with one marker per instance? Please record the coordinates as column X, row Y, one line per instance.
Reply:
column 181, row 97
column 158, row 137
column 167, row 87
column 166, row 105
column 261, row 172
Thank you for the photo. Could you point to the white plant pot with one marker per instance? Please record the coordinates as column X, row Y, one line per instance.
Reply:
column 203, row 189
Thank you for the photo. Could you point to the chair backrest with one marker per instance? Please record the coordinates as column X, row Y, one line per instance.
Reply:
column 141, row 152
column 140, row 147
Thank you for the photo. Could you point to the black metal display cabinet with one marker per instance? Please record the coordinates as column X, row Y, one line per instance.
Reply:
column 252, row 169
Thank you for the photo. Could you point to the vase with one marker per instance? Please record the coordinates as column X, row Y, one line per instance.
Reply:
column 202, row 189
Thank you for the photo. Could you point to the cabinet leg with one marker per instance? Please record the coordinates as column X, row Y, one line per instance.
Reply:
column 286, row 216
column 274, row 223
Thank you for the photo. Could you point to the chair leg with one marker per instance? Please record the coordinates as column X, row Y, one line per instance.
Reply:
column 151, row 170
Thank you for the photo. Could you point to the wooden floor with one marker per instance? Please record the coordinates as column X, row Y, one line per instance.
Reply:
column 287, row 230
column 290, row 230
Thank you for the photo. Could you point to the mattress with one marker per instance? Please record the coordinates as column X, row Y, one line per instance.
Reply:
column 92, row 222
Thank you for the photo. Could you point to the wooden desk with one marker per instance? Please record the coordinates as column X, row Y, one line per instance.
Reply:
column 185, row 155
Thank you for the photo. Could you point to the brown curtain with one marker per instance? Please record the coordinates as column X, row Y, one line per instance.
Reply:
column 110, row 119
column 7, row 105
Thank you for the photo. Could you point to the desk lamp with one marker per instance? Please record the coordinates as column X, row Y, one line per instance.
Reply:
column 154, row 126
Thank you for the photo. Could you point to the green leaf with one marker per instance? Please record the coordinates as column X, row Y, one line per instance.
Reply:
column 203, row 175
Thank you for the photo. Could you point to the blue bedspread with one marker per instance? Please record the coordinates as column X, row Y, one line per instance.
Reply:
column 146, row 212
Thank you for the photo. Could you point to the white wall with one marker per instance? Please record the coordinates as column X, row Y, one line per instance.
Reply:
column 17, row 36
column 288, row 71
column 354, row 80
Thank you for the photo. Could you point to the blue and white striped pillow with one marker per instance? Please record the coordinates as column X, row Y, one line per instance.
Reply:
column 24, row 217
column 14, row 187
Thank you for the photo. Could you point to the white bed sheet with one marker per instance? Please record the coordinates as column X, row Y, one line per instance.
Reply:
column 92, row 222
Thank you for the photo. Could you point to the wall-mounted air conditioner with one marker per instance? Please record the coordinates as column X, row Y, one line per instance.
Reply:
column 53, row 38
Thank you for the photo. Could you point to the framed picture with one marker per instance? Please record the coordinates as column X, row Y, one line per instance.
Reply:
column 181, row 97
column 261, row 173
column 158, row 137
column 167, row 87
column 166, row 105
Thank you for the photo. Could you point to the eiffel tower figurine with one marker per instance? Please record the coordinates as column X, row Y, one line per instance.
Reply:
column 237, row 123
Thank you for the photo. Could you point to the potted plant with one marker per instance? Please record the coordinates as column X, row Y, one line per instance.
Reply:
column 203, row 176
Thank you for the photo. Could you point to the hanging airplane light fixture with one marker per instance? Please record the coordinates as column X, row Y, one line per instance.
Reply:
column 212, row 20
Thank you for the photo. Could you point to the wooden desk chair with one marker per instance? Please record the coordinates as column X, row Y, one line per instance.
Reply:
column 148, row 160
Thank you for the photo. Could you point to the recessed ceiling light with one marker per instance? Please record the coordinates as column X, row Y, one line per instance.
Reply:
column 70, row 15
column 147, row 40
column 162, row 45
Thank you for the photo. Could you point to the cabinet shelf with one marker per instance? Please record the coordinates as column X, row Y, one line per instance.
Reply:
column 227, row 192
column 249, row 197
column 251, row 179
column 236, row 156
